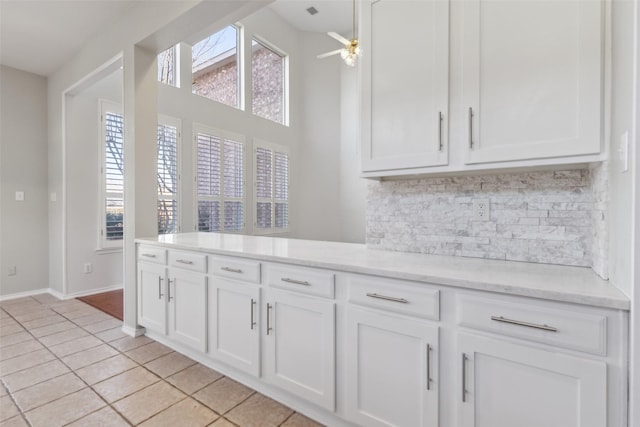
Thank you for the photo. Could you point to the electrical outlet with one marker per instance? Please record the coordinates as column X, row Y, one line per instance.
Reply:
column 88, row 268
column 481, row 209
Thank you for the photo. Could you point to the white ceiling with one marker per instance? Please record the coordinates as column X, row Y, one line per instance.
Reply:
column 333, row 15
column 39, row 36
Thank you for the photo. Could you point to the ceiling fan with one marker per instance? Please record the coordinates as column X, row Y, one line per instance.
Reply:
column 351, row 50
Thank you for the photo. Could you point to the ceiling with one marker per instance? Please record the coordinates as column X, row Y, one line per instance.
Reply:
column 333, row 15
column 39, row 36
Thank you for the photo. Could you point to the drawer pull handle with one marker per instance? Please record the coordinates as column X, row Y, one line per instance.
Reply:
column 470, row 127
column 428, row 367
column 269, row 308
column 184, row 261
column 160, row 294
column 169, row 297
column 464, row 377
column 394, row 299
column 527, row 324
column 440, row 130
column 149, row 255
column 231, row 270
column 295, row 282
column 253, row 322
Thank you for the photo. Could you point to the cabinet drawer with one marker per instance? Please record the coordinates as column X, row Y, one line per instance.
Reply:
column 153, row 254
column 535, row 321
column 188, row 261
column 234, row 268
column 396, row 296
column 300, row 279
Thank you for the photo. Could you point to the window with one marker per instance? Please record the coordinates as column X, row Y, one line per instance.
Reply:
column 168, row 66
column 268, row 74
column 220, row 180
column 272, row 188
column 215, row 70
column 112, row 173
column 168, row 175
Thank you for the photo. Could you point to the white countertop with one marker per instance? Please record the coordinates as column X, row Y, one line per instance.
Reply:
column 553, row 282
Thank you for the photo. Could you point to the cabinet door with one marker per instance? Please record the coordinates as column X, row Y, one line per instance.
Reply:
column 515, row 385
column 234, row 334
column 300, row 346
column 531, row 79
column 187, row 297
column 405, row 84
column 392, row 377
column 152, row 303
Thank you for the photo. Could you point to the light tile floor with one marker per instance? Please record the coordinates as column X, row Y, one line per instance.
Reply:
column 65, row 363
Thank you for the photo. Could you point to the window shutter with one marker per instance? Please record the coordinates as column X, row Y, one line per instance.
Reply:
column 167, row 179
column 233, row 185
column 264, row 180
column 220, row 183
column 114, row 176
column 281, row 183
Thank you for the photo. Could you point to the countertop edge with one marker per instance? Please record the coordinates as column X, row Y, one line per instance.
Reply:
column 553, row 295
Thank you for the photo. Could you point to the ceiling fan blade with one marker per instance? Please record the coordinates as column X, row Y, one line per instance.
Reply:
column 339, row 38
column 333, row 52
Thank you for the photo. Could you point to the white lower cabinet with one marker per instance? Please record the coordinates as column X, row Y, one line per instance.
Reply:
column 392, row 370
column 503, row 384
column 187, row 302
column 408, row 353
column 300, row 346
column 234, row 329
column 152, row 302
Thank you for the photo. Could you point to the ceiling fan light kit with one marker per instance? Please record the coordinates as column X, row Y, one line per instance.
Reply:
column 351, row 50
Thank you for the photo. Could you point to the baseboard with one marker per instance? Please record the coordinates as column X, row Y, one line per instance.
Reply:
column 92, row 292
column 24, row 294
column 133, row 332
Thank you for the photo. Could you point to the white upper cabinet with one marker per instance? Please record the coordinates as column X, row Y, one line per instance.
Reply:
column 532, row 79
column 480, row 84
column 405, row 74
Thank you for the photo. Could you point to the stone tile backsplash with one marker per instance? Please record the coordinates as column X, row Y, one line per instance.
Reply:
column 555, row 217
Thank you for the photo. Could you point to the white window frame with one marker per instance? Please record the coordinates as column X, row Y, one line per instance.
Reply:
column 240, row 94
column 285, row 83
column 177, row 123
column 105, row 245
column 275, row 148
column 222, row 134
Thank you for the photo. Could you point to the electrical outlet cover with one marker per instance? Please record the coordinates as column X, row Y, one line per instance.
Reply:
column 481, row 210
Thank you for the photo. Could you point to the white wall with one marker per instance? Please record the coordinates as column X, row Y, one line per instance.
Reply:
column 83, row 175
column 317, row 172
column 353, row 189
column 622, row 121
column 23, row 167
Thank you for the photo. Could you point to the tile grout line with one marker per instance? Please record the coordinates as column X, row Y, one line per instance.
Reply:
column 221, row 416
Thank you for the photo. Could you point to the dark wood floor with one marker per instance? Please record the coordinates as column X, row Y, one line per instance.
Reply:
column 109, row 302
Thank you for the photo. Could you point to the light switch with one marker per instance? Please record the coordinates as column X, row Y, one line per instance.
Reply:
column 20, row 196
column 53, row 197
